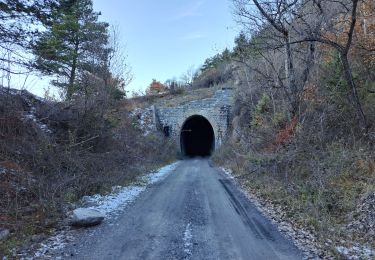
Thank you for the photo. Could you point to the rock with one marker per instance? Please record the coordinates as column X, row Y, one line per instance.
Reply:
column 49, row 223
column 38, row 238
column 4, row 234
column 86, row 217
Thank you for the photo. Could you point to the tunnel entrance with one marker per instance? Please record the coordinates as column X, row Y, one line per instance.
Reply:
column 197, row 137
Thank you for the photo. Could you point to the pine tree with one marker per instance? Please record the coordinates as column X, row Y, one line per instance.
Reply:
column 74, row 43
column 241, row 45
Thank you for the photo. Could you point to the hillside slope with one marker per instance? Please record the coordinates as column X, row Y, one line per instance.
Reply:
column 53, row 153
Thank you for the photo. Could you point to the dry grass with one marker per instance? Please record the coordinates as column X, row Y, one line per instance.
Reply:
column 317, row 167
column 91, row 148
column 319, row 189
column 172, row 99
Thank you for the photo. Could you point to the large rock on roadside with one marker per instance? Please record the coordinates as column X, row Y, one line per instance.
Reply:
column 85, row 217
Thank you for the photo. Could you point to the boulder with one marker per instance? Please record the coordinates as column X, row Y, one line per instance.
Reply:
column 4, row 233
column 86, row 217
column 38, row 238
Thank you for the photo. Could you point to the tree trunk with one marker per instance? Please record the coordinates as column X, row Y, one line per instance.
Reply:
column 350, row 81
column 72, row 76
column 291, row 77
column 73, row 70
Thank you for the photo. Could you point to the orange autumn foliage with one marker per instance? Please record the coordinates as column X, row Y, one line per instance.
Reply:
column 364, row 32
column 284, row 135
column 155, row 88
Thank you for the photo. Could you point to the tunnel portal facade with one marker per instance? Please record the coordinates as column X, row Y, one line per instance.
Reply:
column 199, row 126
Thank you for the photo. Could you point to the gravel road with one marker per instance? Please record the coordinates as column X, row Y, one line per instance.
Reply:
column 197, row 212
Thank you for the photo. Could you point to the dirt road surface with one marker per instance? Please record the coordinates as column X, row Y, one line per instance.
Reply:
column 197, row 212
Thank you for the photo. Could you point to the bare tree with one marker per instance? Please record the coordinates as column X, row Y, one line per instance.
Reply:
column 293, row 23
column 188, row 77
column 118, row 60
column 338, row 20
column 271, row 23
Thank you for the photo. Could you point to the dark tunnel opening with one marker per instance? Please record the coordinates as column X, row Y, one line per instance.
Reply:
column 197, row 137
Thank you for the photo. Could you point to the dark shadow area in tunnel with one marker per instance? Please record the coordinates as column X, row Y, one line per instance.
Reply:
column 197, row 137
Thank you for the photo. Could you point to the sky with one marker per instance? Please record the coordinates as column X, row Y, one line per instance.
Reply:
column 162, row 39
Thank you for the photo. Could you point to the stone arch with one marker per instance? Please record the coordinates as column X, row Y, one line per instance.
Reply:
column 192, row 112
column 197, row 136
column 215, row 109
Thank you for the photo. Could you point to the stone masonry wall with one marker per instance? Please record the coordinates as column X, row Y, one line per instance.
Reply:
column 216, row 110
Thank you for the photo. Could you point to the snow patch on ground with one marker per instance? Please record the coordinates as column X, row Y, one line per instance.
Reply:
column 228, row 172
column 187, row 239
column 54, row 243
column 161, row 174
column 110, row 205
column 30, row 99
column 31, row 115
column 114, row 202
column 356, row 252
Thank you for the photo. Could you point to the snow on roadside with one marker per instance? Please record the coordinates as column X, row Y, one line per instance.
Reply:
column 110, row 205
column 228, row 172
column 357, row 251
column 161, row 174
column 114, row 202
column 57, row 242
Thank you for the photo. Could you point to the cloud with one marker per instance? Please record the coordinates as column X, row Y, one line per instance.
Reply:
column 190, row 11
column 192, row 36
